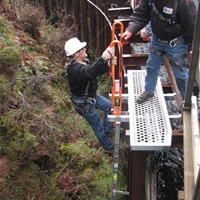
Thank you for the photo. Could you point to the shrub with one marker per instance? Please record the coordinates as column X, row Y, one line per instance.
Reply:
column 31, row 18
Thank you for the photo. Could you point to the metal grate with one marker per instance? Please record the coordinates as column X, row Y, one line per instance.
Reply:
column 150, row 127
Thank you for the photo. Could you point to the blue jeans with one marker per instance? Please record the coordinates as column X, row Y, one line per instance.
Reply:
column 177, row 57
column 99, row 126
column 148, row 26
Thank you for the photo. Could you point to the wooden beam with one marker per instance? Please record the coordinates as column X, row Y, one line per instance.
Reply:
column 195, row 137
column 181, row 195
column 137, row 162
column 93, row 28
column 188, row 155
column 83, row 18
column 178, row 97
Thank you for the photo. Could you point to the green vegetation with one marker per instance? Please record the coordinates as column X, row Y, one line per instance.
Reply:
column 47, row 150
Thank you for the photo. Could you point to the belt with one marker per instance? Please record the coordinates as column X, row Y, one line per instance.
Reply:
column 173, row 42
column 88, row 100
column 83, row 110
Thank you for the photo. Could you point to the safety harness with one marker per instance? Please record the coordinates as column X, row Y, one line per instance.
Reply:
column 170, row 20
column 83, row 101
column 85, row 97
column 173, row 42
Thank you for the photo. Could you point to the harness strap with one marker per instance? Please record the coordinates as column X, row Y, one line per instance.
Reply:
column 83, row 101
column 82, row 110
column 175, row 4
column 171, row 20
column 86, row 89
column 173, row 42
column 159, row 53
column 78, row 100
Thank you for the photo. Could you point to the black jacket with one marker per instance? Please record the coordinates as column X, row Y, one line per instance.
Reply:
column 78, row 76
column 185, row 19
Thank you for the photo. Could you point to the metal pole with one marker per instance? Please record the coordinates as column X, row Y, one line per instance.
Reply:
column 193, row 63
column 116, row 161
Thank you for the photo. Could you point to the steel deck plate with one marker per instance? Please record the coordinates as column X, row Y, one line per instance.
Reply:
column 150, row 127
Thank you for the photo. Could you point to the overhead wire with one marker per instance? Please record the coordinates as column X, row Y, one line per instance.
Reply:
column 108, row 21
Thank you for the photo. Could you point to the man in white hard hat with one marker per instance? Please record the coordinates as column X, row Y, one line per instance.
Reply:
column 81, row 76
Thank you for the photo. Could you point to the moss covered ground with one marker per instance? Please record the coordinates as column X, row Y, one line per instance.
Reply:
column 47, row 151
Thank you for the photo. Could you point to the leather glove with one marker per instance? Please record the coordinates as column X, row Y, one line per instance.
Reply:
column 144, row 33
column 108, row 53
column 125, row 36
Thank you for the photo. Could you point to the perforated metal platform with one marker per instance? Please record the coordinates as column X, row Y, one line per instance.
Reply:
column 150, row 127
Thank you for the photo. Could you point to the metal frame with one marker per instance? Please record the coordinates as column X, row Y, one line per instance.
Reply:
column 150, row 127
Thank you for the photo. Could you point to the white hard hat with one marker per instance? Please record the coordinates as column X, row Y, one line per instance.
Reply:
column 73, row 45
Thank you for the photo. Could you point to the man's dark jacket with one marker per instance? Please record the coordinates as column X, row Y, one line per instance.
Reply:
column 185, row 19
column 78, row 76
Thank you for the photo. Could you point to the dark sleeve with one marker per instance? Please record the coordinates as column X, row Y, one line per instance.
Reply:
column 187, row 15
column 93, row 70
column 99, row 67
column 140, row 17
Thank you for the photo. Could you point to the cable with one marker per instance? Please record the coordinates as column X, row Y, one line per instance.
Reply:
column 109, row 23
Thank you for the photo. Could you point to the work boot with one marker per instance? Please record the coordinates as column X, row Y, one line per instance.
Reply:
column 144, row 97
column 110, row 151
column 111, row 133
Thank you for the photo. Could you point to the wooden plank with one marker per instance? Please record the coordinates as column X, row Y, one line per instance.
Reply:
column 46, row 7
column 76, row 10
column 53, row 5
column 178, row 97
column 150, row 180
column 60, row 6
column 83, row 21
column 137, row 161
column 191, row 152
column 198, row 71
column 108, row 30
column 68, row 6
column 196, row 195
column 135, row 59
column 93, row 27
column 195, row 137
column 188, row 156
column 181, row 195
column 177, row 139
column 101, row 32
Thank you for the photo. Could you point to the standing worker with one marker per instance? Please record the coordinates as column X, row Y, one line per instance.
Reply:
column 81, row 76
column 173, row 23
